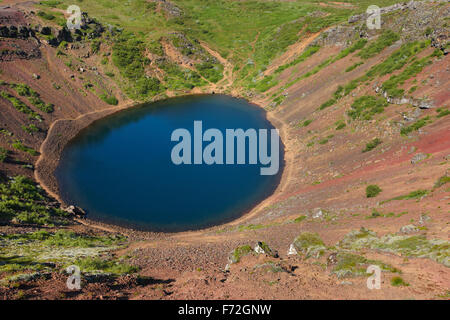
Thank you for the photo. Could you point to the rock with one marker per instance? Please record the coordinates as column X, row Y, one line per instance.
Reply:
column 36, row 76
column 410, row 228
column 424, row 218
column 75, row 211
column 46, row 31
column 263, row 248
column 317, row 214
column 292, row 250
column 418, row 157
column 332, row 259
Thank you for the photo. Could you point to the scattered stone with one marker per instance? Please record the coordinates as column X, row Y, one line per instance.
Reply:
column 36, row 76
column 410, row 228
column 263, row 248
column 424, row 218
column 292, row 250
column 418, row 157
column 317, row 214
column 75, row 211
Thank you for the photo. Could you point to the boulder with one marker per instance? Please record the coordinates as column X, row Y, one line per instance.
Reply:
column 75, row 211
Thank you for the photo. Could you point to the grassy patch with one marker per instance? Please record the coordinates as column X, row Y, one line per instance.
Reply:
column 21, row 201
column 441, row 181
column 387, row 38
column 372, row 191
column 398, row 282
column 415, row 126
column 366, row 107
column 309, row 244
column 239, row 252
column 372, row 145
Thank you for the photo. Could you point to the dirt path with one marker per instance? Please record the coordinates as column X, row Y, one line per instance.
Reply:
column 292, row 52
column 227, row 80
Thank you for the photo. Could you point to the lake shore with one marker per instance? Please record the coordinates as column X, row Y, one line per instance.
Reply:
column 62, row 131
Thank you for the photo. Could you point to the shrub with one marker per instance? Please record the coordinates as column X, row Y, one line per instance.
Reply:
column 327, row 104
column 415, row 126
column 20, row 146
column 109, row 99
column 372, row 191
column 398, row 281
column 441, row 181
column 366, row 106
column 386, row 39
column 3, row 154
column 372, row 145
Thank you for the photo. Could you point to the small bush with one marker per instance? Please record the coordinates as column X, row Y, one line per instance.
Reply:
column 372, row 191
column 109, row 99
column 399, row 282
column 372, row 145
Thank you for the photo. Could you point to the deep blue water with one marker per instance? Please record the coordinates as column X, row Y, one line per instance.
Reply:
column 120, row 170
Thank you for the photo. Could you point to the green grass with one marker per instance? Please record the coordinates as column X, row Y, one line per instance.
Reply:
column 372, row 145
column 372, row 191
column 415, row 126
column 19, row 105
column 308, row 52
column 441, row 181
column 109, row 99
column 412, row 195
column 93, row 264
column 366, row 107
column 17, row 144
column 398, row 282
column 22, row 201
column 299, row 219
column 3, row 154
column 387, row 38
column 442, row 112
column 239, row 252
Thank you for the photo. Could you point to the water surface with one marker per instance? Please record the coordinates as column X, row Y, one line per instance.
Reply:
column 120, row 170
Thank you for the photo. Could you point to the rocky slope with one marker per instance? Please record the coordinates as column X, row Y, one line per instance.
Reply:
column 364, row 118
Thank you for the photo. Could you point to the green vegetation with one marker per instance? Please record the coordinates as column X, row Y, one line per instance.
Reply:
column 109, row 99
column 412, row 195
column 129, row 58
column 415, row 126
column 309, row 244
column 3, row 154
column 353, row 265
column 408, row 246
column 299, row 219
column 19, row 105
column 20, row 146
column 366, row 107
column 372, row 191
column 31, row 128
column 327, row 104
column 21, row 201
column 387, row 38
column 391, row 85
column 306, row 123
column 354, row 66
column 372, row 145
column 399, row 282
column 239, row 252
column 96, row 264
column 439, row 183
column 442, row 112
column 308, row 52
column 340, row 124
